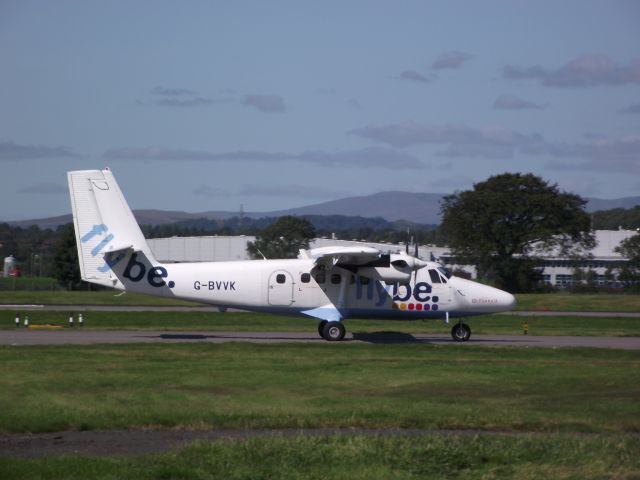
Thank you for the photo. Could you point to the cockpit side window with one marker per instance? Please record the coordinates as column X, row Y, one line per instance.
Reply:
column 435, row 278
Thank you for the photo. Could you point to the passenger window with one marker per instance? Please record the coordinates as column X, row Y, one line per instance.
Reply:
column 364, row 280
column 335, row 278
column 281, row 278
column 320, row 278
column 305, row 278
column 435, row 278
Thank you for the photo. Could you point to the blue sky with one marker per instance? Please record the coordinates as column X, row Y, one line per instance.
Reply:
column 209, row 105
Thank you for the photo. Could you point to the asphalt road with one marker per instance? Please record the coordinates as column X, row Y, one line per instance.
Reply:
column 78, row 336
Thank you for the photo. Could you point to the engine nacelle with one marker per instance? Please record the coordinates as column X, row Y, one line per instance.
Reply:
column 398, row 268
column 386, row 274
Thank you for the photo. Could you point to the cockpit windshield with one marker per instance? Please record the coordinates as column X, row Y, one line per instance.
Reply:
column 445, row 271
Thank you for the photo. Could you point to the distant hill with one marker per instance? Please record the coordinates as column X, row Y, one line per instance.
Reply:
column 597, row 204
column 421, row 208
column 413, row 207
column 322, row 223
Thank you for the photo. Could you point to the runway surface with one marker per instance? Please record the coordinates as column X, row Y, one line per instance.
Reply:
column 79, row 336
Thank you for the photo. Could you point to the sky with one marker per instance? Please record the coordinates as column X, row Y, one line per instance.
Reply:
column 210, row 105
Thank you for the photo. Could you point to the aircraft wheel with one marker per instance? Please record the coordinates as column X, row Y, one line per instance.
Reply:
column 333, row 331
column 321, row 327
column 461, row 332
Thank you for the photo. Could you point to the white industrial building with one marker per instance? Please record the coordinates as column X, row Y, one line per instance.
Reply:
column 558, row 271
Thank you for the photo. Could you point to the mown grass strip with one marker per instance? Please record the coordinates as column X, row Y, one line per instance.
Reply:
column 567, row 302
column 205, row 386
column 576, row 302
column 358, row 457
column 105, row 297
column 244, row 322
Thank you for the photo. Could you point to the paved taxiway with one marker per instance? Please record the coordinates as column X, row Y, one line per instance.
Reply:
column 79, row 336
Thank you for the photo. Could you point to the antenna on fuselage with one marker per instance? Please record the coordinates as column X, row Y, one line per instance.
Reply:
column 261, row 253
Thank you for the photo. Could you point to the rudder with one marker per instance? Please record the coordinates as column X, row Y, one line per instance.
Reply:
column 104, row 224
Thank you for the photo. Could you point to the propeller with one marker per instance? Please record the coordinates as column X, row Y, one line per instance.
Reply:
column 415, row 272
column 406, row 242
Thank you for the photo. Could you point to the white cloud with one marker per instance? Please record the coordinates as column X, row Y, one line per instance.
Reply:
column 511, row 102
column 602, row 154
column 48, row 188
column 182, row 97
column 584, row 71
column 298, row 191
column 353, row 103
column 265, row 103
column 172, row 92
column 414, row 76
column 451, row 60
column 14, row 151
column 211, row 192
column 371, row 157
column 633, row 109
column 487, row 142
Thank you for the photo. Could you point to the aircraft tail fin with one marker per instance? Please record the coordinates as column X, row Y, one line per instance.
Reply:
column 106, row 230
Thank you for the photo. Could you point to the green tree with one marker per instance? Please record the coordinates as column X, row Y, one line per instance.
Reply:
column 283, row 239
column 630, row 249
column 65, row 259
column 504, row 222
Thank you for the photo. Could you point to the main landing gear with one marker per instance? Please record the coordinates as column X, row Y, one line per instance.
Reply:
column 461, row 332
column 331, row 331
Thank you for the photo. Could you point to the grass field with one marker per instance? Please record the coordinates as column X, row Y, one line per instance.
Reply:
column 549, row 413
column 550, row 301
column 565, row 413
column 243, row 321
column 323, row 385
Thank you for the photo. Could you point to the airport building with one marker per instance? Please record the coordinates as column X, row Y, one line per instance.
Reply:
column 558, row 271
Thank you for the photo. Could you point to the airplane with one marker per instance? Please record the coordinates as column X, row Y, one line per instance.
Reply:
column 328, row 284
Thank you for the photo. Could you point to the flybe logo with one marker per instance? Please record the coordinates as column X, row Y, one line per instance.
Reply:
column 99, row 230
column 420, row 292
column 135, row 270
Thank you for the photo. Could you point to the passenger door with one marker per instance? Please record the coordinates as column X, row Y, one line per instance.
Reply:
column 280, row 288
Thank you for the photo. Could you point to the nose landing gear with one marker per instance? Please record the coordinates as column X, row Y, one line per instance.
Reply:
column 461, row 332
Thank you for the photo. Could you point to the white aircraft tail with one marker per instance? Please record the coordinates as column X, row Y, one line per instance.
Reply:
column 111, row 247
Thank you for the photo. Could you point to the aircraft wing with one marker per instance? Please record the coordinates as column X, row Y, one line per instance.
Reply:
column 353, row 256
column 366, row 262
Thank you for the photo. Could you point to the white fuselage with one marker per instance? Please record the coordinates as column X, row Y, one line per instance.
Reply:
column 289, row 287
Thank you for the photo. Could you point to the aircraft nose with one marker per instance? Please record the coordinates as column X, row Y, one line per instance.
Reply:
column 507, row 300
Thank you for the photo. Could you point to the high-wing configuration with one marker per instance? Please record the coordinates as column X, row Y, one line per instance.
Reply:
column 329, row 284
